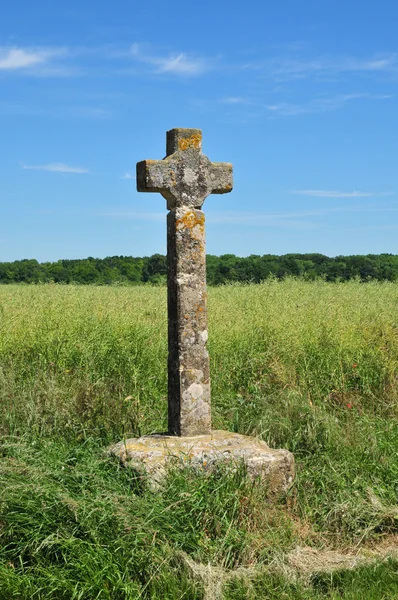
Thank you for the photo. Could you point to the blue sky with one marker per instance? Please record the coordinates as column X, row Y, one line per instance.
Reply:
column 300, row 96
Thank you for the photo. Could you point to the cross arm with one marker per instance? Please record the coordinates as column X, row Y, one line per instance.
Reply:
column 221, row 177
column 154, row 176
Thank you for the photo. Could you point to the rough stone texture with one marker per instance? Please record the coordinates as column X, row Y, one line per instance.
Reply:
column 153, row 454
column 185, row 178
column 188, row 362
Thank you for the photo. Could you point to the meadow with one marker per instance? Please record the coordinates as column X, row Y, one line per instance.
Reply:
column 307, row 366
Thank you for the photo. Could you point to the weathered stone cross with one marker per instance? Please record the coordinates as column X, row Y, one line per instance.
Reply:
column 185, row 177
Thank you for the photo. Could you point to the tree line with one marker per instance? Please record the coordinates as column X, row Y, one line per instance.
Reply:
column 220, row 269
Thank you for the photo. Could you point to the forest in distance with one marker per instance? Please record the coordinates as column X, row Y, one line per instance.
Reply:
column 220, row 269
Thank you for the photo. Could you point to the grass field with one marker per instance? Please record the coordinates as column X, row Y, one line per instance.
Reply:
column 312, row 367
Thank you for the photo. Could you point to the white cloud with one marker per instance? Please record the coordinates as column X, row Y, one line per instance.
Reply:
column 128, row 176
column 41, row 60
column 36, row 61
column 338, row 194
column 18, row 58
column 175, row 64
column 57, row 168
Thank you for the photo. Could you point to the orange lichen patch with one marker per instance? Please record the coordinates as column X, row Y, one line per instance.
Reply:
column 190, row 220
column 194, row 141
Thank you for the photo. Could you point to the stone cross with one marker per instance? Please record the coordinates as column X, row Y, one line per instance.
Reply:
column 185, row 177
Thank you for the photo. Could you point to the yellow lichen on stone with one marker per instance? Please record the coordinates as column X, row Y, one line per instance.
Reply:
column 199, row 308
column 194, row 141
column 190, row 219
column 154, row 454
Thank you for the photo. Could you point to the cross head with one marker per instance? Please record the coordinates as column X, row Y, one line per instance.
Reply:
column 185, row 177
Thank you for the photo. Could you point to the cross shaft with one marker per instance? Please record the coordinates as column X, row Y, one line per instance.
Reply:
column 185, row 177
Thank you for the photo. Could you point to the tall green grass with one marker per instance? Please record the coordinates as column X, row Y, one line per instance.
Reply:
column 312, row 367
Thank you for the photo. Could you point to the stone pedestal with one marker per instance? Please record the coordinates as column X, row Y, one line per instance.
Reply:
column 152, row 455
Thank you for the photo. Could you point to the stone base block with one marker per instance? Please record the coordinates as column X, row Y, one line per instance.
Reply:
column 154, row 453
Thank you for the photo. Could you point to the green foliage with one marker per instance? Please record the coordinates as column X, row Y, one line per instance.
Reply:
column 310, row 366
column 72, row 527
column 220, row 269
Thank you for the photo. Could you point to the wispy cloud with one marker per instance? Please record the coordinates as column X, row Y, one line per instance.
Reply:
column 36, row 61
column 180, row 64
column 128, row 176
column 46, row 61
column 56, row 168
column 374, row 228
column 338, row 194
column 296, row 219
column 321, row 104
column 262, row 218
column 282, row 68
column 175, row 64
